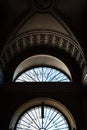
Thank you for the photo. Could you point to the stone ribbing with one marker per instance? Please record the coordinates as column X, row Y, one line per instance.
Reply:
column 36, row 38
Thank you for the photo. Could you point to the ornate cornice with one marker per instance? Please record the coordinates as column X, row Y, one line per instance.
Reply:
column 42, row 37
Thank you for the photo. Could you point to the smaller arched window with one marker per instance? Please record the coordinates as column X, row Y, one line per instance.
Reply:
column 42, row 74
column 42, row 68
column 42, row 114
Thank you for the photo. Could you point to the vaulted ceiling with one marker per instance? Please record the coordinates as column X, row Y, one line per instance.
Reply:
column 73, row 12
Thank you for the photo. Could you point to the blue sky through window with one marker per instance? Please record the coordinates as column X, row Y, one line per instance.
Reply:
column 43, row 74
column 42, row 118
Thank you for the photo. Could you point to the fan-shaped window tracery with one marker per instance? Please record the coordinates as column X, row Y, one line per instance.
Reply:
column 43, row 74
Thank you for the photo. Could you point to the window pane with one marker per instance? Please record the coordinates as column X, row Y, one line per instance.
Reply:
column 42, row 118
column 43, row 74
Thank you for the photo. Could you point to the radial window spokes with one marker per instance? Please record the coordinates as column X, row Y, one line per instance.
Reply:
column 42, row 118
column 43, row 74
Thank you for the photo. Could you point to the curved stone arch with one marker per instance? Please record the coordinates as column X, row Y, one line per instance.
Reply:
column 39, row 101
column 38, row 60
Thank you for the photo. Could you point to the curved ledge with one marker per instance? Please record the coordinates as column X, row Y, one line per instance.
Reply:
column 38, row 60
column 46, row 38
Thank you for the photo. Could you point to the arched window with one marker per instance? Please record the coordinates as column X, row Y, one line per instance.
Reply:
column 42, row 68
column 42, row 118
column 42, row 114
column 42, row 74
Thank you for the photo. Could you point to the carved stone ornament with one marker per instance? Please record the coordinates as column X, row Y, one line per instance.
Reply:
column 42, row 4
column 46, row 38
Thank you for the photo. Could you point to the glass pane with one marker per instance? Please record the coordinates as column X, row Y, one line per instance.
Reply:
column 42, row 74
column 42, row 118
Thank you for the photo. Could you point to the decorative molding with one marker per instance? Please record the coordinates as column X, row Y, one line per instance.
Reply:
column 42, row 4
column 46, row 38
